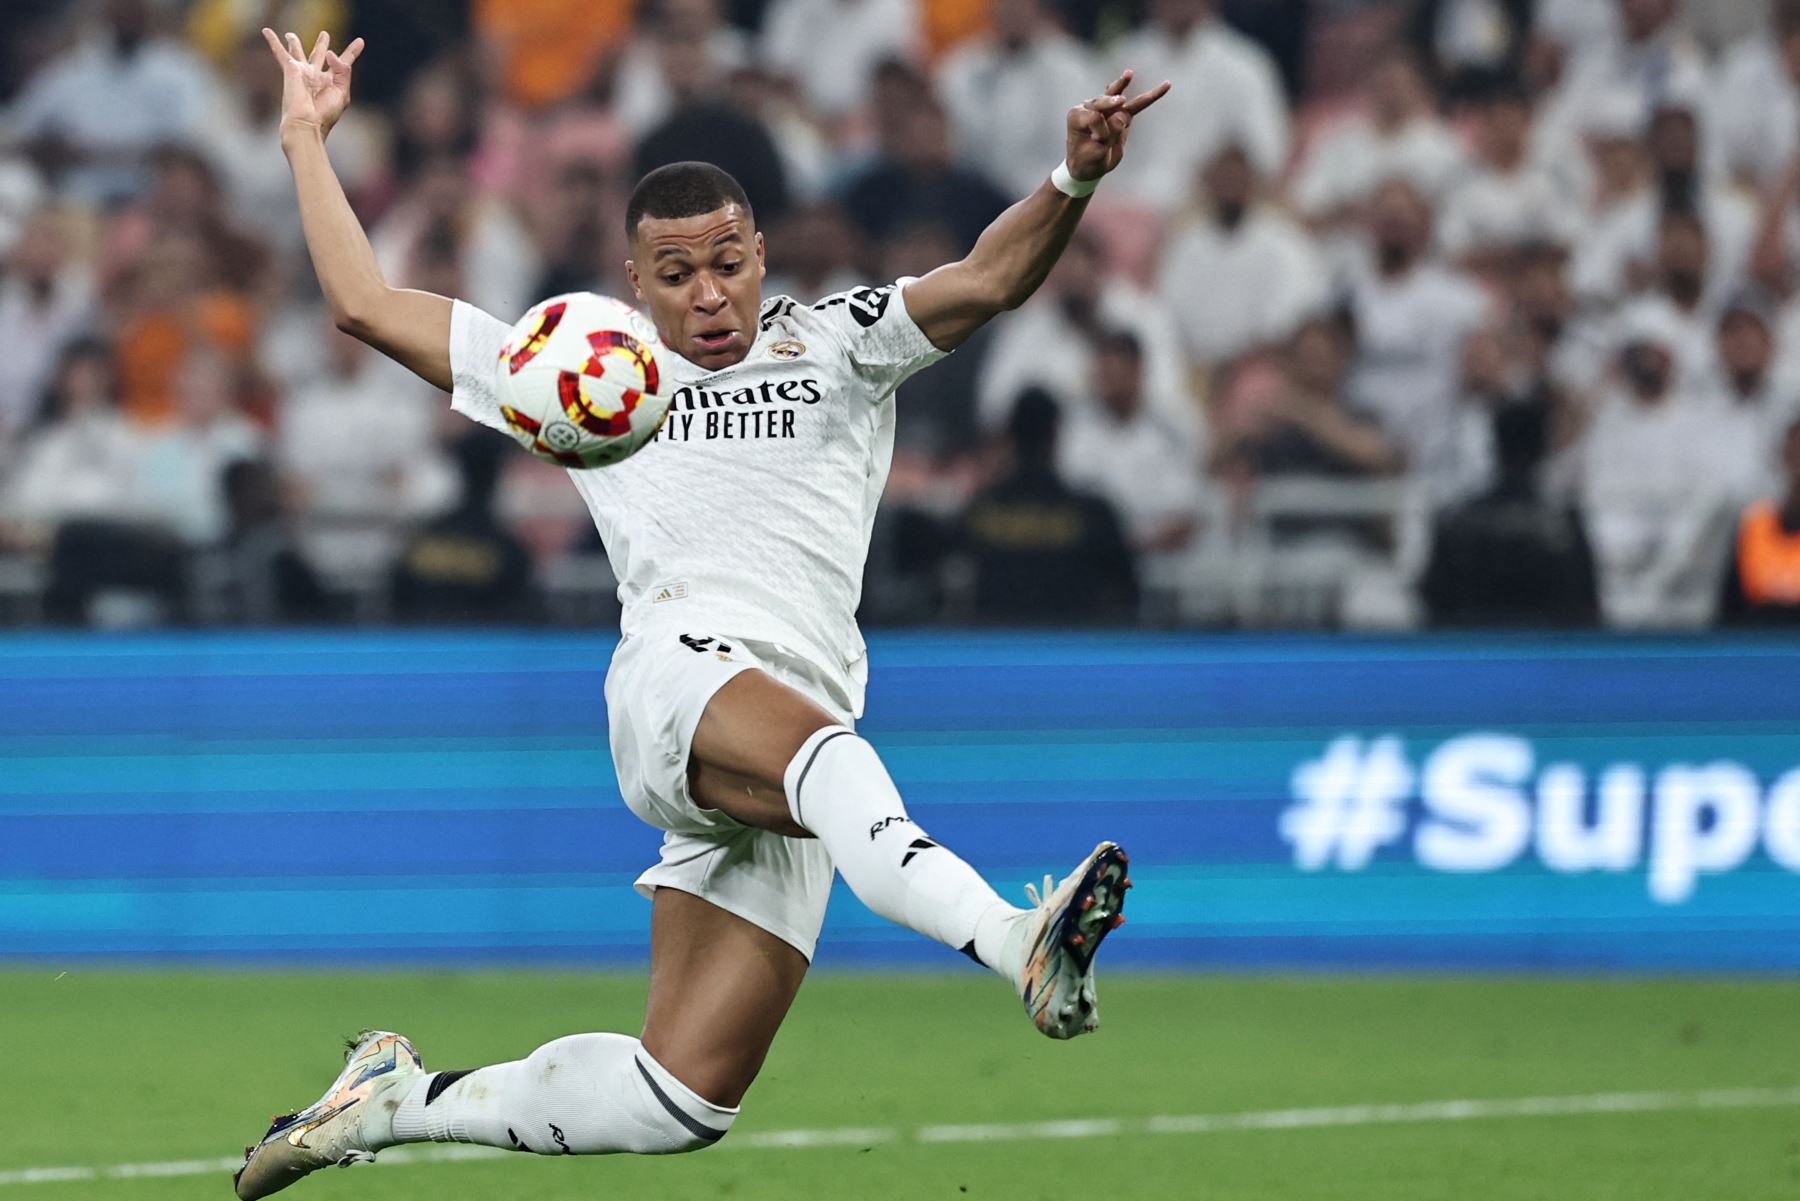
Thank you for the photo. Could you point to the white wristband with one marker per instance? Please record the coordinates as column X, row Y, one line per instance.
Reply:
column 1068, row 185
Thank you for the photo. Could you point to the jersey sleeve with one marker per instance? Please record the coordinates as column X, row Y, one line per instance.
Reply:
column 475, row 342
column 884, row 344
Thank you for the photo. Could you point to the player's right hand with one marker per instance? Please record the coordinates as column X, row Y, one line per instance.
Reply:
column 315, row 91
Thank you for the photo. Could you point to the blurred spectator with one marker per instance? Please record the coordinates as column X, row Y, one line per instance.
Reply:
column 643, row 95
column 1245, row 275
column 1751, row 403
column 1512, row 556
column 579, row 222
column 1008, row 94
column 1133, row 458
column 544, row 51
column 1507, row 199
column 1050, row 341
column 1762, row 582
column 1683, row 256
column 174, row 303
column 466, row 566
column 832, row 46
column 703, row 126
column 497, row 260
column 937, row 410
column 1041, row 551
column 182, row 463
column 265, row 580
column 1652, row 55
column 185, row 200
column 1647, row 496
column 356, row 445
column 1304, row 427
column 81, row 458
column 94, row 114
column 1412, row 316
column 1226, row 90
column 812, row 252
column 916, row 177
column 1399, row 137
column 808, row 158
column 1728, row 218
column 438, row 120
column 77, row 493
column 1621, row 204
column 46, row 299
column 1469, row 43
column 1756, row 99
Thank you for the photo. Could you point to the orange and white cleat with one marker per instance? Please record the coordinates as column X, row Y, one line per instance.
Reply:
column 1061, row 938
column 332, row 1129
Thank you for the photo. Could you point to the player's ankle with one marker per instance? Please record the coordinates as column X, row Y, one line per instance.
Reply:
column 999, row 941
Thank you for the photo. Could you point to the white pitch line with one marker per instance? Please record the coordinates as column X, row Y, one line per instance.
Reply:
column 1195, row 1123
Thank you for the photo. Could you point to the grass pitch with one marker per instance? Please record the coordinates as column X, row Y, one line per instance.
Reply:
column 103, row 1068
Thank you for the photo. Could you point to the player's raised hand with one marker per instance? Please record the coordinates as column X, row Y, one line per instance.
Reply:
column 315, row 89
column 1098, row 127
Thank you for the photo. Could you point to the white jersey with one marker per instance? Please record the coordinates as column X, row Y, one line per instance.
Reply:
column 749, row 513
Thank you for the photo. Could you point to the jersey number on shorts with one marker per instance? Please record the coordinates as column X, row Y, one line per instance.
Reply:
column 702, row 645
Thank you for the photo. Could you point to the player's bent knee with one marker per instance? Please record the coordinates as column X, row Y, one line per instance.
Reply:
column 682, row 1120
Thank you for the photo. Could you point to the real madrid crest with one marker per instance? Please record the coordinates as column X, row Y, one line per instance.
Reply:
column 786, row 349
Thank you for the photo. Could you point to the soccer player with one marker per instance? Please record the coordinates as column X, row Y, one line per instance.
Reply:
column 738, row 536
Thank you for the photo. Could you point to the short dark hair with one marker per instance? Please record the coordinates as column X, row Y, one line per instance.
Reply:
column 683, row 190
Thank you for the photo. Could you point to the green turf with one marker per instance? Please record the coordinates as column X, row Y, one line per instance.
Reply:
column 119, row 1067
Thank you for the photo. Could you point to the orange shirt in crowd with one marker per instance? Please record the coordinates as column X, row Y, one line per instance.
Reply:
column 152, row 346
column 1768, row 558
column 947, row 22
column 549, row 48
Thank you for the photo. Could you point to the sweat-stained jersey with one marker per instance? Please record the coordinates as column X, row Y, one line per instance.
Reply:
column 749, row 513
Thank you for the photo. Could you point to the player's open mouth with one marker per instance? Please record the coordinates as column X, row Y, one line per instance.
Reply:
column 715, row 339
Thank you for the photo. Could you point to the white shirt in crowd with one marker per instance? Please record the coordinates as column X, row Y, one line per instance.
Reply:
column 1226, row 91
column 749, row 514
column 1009, row 108
column 499, row 261
column 1496, row 210
column 1352, row 158
column 85, row 468
column 641, row 97
column 117, row 108
column 1038, row 346
column 1232, row 291
column 1408, row 369
column 1755, row 110
column 833, row 46
column 34, row 335
column 1145, row 467
column 1647, row 496
column 181, row 474
column 357, row 493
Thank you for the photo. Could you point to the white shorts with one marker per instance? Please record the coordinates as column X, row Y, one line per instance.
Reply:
column 658, row 686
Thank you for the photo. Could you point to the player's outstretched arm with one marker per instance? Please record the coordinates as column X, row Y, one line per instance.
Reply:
column 412, row 328
column 1016, row 252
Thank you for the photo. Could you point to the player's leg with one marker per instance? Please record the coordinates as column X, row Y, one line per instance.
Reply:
column 768, row 756
column 719, row 989
column 760, row 744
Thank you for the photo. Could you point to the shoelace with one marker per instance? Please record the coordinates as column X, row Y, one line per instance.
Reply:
column 1031, row 892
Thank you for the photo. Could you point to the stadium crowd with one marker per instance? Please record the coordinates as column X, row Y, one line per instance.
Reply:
column 1462, row 312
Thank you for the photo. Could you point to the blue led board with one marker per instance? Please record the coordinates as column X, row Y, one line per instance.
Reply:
column 1568, row 804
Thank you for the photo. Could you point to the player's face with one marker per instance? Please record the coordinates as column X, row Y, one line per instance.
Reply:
column 701, row 279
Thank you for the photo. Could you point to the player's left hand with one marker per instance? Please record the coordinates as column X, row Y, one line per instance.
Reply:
column 1098, row 127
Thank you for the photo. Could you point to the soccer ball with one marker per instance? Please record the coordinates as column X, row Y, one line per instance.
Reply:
column 578, row 380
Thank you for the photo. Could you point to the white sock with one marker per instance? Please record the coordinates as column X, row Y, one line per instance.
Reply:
column 838, row 790
column 588, row 1094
